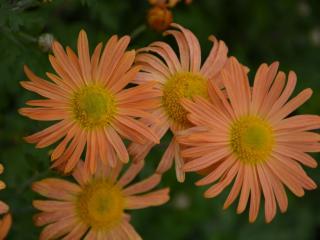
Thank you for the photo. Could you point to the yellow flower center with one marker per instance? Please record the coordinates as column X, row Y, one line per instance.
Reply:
column 100, row 204
column 93, row 106
column 251, row 139
column 182, row 85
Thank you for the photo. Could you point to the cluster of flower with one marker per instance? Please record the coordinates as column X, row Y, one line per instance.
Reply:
column 223, row 128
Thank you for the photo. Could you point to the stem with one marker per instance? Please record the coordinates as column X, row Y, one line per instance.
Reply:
column 27, row 183
column 28, row 37
column 135, row 33
column 25, row 4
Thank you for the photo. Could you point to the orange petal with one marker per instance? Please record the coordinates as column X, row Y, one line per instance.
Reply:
column 155, row 198
column 117, row 144
column 143, row 186
column 84, row 57
column 5, row 225
column 56, row 188
column 58, row 229
column 131, row 173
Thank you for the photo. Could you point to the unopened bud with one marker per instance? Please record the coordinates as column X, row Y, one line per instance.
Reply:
column 45, row 42
column 172, row 3
column 159, row 18
column 2, row 185
column 315, row 36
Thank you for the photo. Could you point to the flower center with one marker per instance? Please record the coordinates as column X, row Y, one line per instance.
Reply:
column 93, row 106
column 182, row 85
column 251, row 139
column 100, row 204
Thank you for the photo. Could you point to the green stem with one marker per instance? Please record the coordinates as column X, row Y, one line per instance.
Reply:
column 135, row 33
column 28, row 37
column 25, row 4
column 27, row 183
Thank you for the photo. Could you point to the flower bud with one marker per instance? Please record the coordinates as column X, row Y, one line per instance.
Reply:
column 159, row 18
column 45, row 41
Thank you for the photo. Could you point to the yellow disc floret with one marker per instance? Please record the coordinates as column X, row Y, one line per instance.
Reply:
column 100, row 204
column 182, row 85
column 251, row 139
column 93, row 106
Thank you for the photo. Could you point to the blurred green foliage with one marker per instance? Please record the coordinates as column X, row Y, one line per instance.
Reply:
column 255, row 31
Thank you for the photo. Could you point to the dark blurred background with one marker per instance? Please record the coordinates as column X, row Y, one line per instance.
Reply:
column 255, row 31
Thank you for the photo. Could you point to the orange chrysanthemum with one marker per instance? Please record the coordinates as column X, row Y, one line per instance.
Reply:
column 249, row 138
column 177, row 79
column 88, row 98
column 94, row 207
column 5, row 222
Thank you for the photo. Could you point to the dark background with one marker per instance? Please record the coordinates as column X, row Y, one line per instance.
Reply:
column 255, row 31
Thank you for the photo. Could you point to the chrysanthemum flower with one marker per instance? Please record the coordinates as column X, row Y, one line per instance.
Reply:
column 5, row 222
column 88, row 98
column 94, row 208
column 248, row 138
column 177, row 79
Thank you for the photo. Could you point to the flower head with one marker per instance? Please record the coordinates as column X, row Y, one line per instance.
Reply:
column 246, row 136
column 6, row 220
column 177, row 78
column 95, row 206
column 87, row 98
